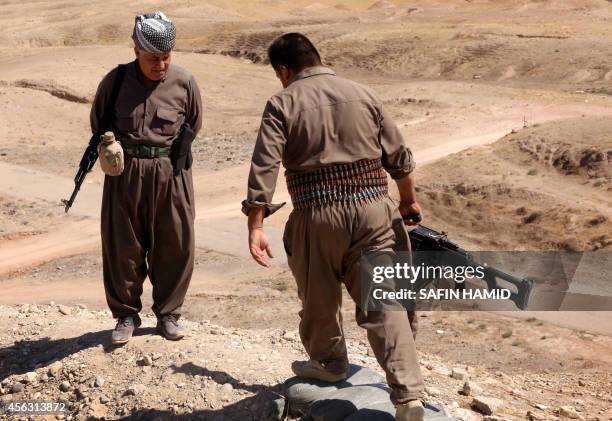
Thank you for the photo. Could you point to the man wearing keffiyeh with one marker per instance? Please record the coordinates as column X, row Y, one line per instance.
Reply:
column 148, row 210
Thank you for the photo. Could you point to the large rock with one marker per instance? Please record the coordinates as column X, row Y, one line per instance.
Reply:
column 486, row 404
column 301, row 393
column 364, row 395
column 341, row 403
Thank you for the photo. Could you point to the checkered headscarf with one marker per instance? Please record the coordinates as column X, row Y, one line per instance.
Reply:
column 154, row 32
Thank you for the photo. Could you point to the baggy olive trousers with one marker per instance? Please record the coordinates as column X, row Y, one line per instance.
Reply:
column 324, row 247
column 147, row 229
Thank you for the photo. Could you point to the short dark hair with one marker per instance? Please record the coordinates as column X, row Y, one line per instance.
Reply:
column 294, row 51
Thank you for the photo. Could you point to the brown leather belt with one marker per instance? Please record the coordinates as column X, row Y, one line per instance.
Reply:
column 144, row 151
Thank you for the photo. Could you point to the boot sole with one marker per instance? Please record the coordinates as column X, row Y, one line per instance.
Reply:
column 318, row 375
column 120, row 342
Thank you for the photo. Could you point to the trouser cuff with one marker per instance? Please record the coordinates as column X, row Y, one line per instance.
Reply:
column 400, row 397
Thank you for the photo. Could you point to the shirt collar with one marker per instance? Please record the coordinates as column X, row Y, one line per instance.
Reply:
column 134, row 69
column 314, row 71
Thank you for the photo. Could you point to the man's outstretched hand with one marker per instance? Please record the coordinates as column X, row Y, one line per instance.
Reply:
column 259, row 246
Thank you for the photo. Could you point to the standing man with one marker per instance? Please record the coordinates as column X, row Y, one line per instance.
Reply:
column 335, row 142
column 148, row 210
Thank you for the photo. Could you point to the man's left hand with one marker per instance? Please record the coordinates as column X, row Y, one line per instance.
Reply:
column 259, row 246
column 411, row 210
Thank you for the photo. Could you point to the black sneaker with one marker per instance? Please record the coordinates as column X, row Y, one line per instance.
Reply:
column 124, row 329
column 169, row 327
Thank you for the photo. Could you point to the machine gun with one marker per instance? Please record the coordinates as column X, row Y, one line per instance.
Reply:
column 90, row 156
column 423, row 239
column 87, row 162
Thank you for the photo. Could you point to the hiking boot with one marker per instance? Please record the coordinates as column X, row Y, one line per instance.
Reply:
column 312, row 369
column 124, row 329
column 410, row 411
column 169, row 327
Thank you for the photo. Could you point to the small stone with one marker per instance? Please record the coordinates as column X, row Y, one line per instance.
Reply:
column 99, row 382
column 97, row 411
column 263, row 357
column 65, row 386
column 442, row 370
column 459, row 373
column 531, row 416
column 581, row 383
column 540, row 406
column 80, row 393
column 569, row 412
column 432, row 391
column 104, row 399
column 55, row 369
column 135, row 390
column 470, row 389
column 440, row 332
column 147, row 361
column 487, row 405
column 30, row 377
column 17, row 388
column 82, row 306
column 226, row 389
column 65, row 310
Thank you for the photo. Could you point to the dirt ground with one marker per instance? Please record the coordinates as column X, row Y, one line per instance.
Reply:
column 505, row 104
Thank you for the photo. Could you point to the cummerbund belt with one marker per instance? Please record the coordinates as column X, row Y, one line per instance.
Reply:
column 361, row 181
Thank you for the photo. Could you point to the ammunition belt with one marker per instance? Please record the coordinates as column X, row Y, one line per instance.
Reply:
column 144, row 151
column 354, row 182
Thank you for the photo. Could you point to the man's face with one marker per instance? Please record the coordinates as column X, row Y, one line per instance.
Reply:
column 153, row 65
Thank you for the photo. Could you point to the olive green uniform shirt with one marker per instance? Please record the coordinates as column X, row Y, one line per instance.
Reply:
column 319, row 120
column 150, row 117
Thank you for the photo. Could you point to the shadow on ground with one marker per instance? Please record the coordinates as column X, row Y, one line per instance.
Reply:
column 27, row 355
column 260, row 407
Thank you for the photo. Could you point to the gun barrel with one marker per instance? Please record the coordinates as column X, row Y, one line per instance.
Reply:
column 78, row 181
column 70, row 201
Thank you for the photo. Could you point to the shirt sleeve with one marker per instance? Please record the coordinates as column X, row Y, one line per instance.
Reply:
column 266, row 161
column 100, row 100
column 397, row 158
column 193, row 113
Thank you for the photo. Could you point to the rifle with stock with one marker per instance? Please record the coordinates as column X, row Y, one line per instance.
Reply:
column 90, row 156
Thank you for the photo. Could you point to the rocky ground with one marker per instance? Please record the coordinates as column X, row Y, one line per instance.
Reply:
column 504, row 104
column 495, row 370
